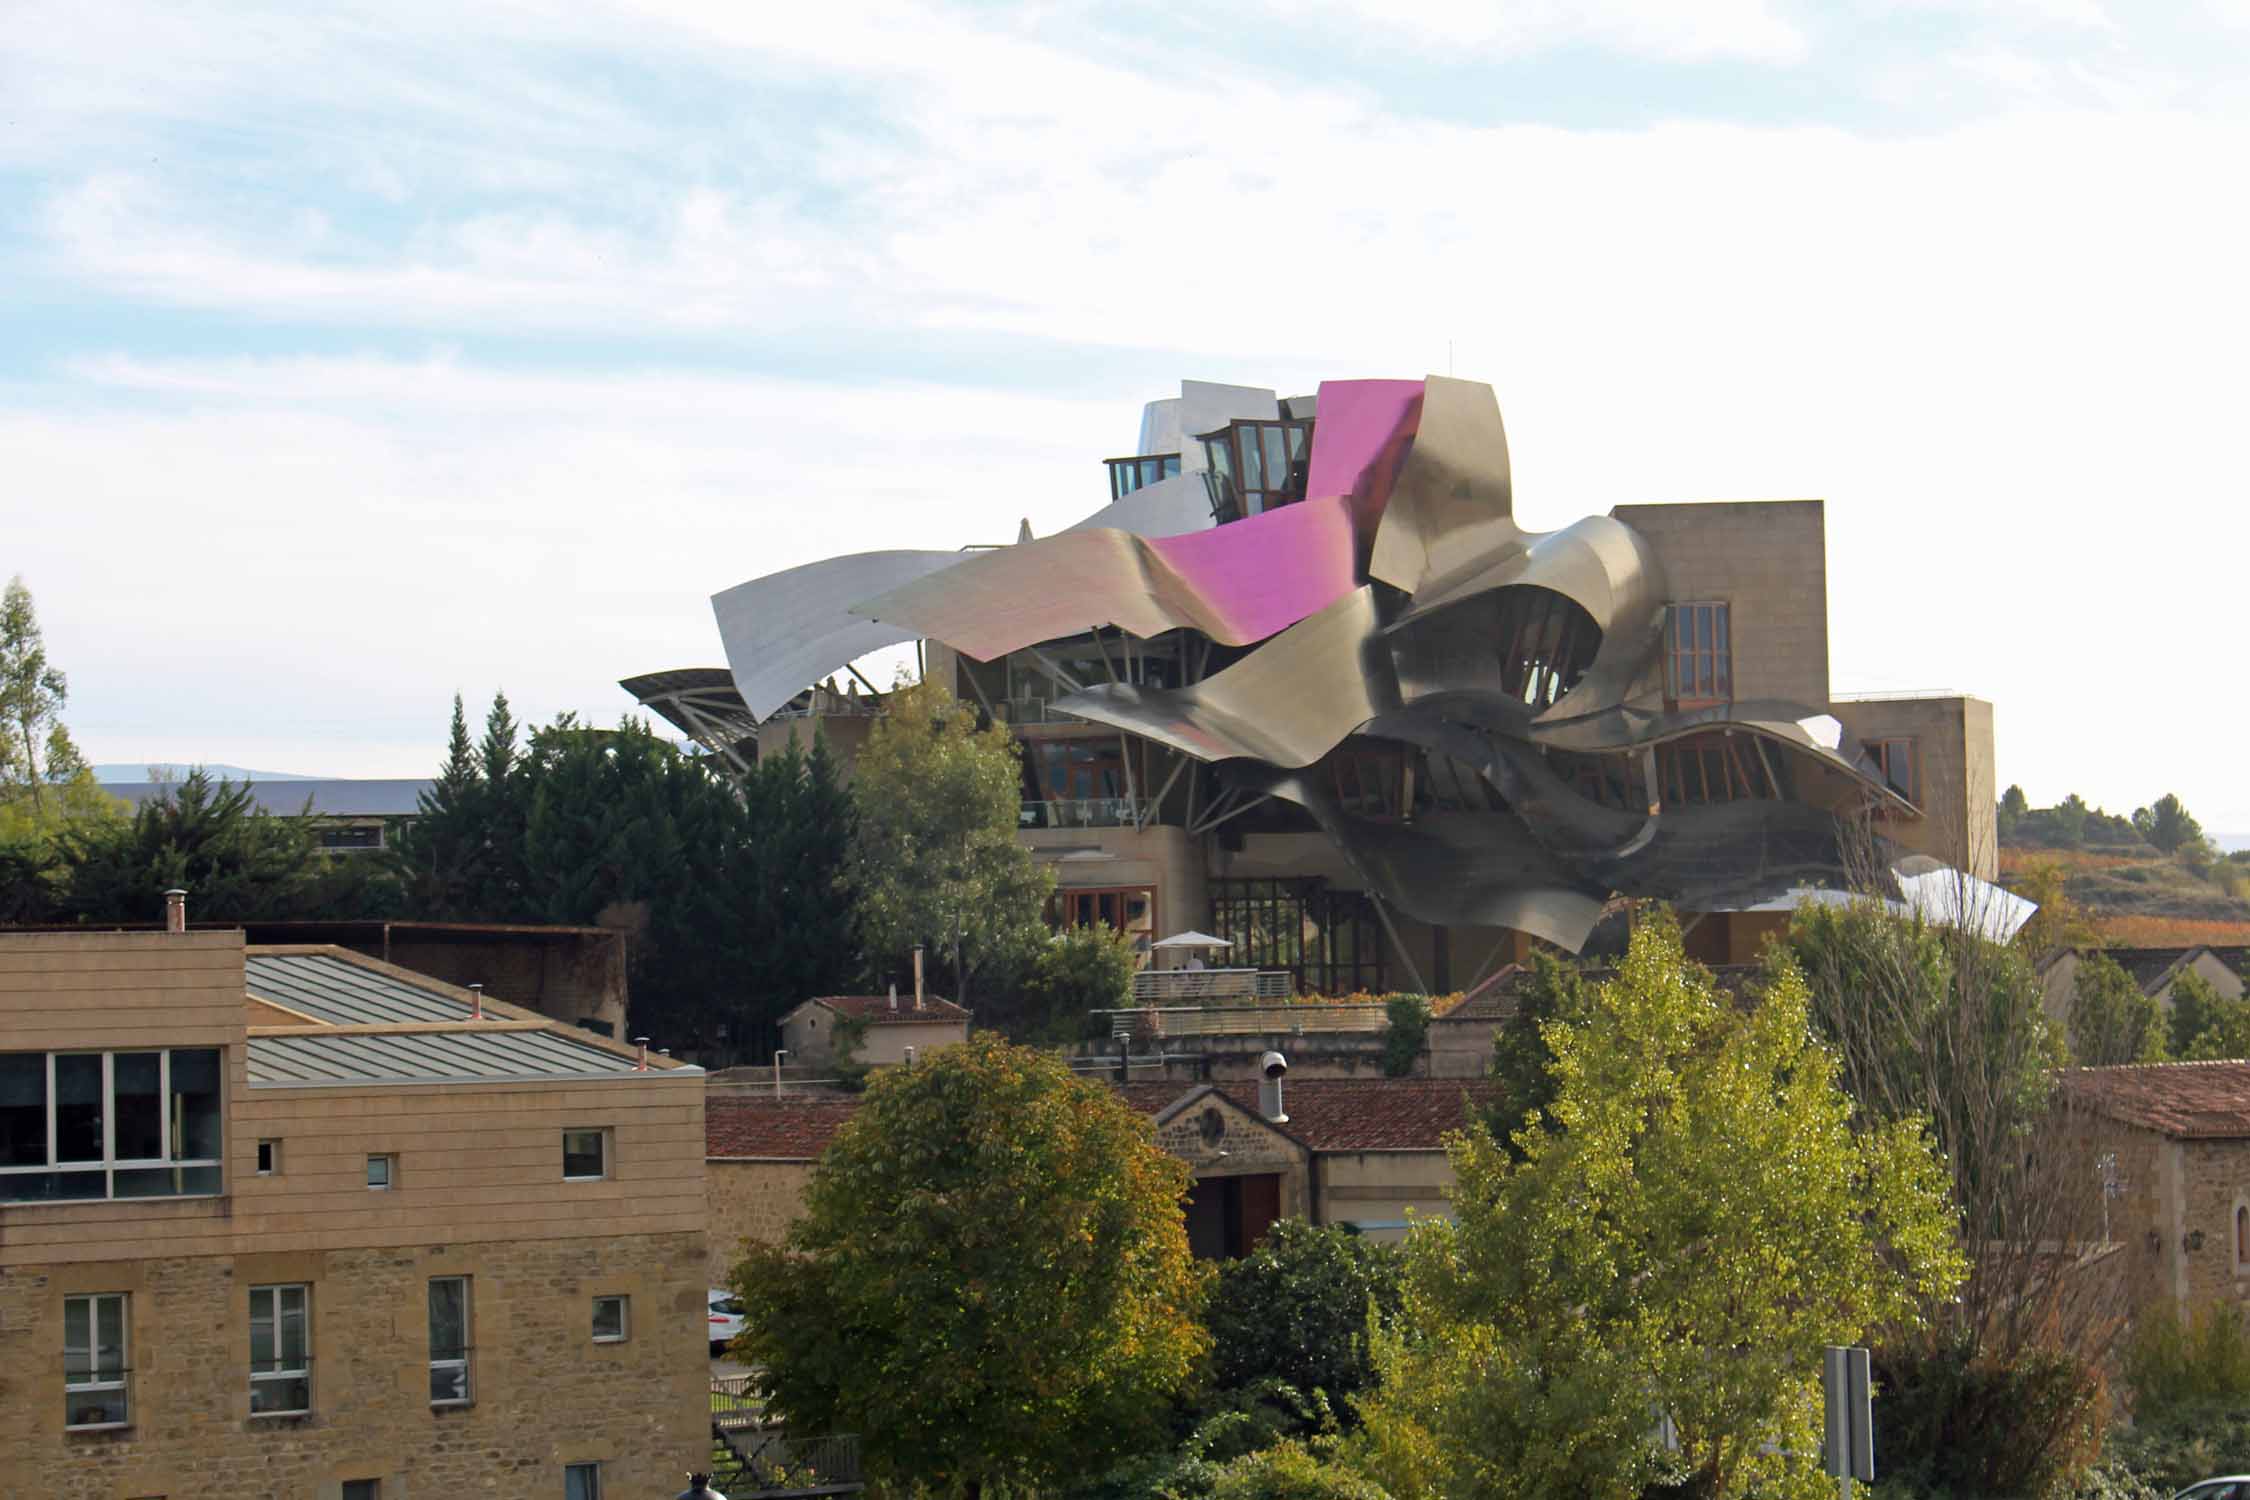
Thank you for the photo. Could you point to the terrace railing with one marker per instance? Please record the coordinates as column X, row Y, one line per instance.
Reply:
column 1170, row 986
column 1079, row 812
column 1168, row 1022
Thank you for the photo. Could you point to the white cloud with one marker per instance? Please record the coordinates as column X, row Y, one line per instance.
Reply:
column 1752, row 30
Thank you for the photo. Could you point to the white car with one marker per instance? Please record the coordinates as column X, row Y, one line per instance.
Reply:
column 2228, row 1487
column 726, row 1319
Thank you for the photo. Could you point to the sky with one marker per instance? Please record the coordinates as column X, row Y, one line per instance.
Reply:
column 352, row 356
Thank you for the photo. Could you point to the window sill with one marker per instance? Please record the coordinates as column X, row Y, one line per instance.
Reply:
column 279, row 1416
column 619, row 1339
column 98, row 1427
column 452, row 1405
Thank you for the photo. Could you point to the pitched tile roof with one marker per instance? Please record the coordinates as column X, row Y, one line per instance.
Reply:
column 2186, row 1100
column 1325, row 1114
column 876, row 1010
column 794, row 1127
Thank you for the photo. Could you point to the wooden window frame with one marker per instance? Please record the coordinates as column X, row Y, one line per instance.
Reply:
column 1718, row 657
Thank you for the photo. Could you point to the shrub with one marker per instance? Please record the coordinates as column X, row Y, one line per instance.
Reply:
column 1406, row 1026
column 1292, row 1471
column 1952, row 1423
column 1295, row 1311
column 2170, row 1365
column 2183, row 1444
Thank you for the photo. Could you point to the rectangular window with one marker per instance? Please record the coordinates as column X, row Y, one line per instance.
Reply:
column 94, row 1365
column 269, row 1158
column 1129, row 474
column 363, row 1489
column 280, row 1351
column 449, row 1341
column 379, row 1173
column 78, row 1125
column 585, row 1155
column 610, row 1320
column 1895, row 759
column 1699, row 656
column 582, row 1482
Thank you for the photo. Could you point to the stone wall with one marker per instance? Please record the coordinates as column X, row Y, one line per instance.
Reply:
column 1768, row 562
column 545, row 1394
column 749, row 1200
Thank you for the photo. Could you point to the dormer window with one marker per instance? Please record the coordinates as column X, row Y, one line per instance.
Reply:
column 1257, row 466
column 1129, row 474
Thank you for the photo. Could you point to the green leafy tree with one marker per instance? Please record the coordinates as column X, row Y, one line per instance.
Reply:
column 1296, row 1311
column 936, row 859
column 990, row 1281
column 2111, row 1020
column 2070, row 818
column 1078, row 971
column 2013, row 805
column 2205, row 1026
column 2060, row 921
column 1522, row 1066
column 36, row 751
column 2168, row 825
column 1704, row 1220
column 1292, row 1471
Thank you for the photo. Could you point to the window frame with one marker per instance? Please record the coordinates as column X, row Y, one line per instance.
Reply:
column 389, row 1160
column 459, row 1359
column 624, row 1332
column 1718, row 656
column 281, row 1373
column 376, row 1493
column 171, row 1133
column 589, row 1469
column 122, row 1383
column 269, row 1158
column 601, row 1133
column 1884, row 749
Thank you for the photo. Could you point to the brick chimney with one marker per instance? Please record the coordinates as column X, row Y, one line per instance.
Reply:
column 175, row 910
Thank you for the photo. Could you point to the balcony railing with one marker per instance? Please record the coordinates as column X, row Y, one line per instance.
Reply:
column 1166, row 1022
column 1081, row 812
column 1159, row 986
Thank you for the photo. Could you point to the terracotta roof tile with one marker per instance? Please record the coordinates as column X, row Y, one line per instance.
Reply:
column 2188, row 1100
column 791, row 1128
column 876, row 1010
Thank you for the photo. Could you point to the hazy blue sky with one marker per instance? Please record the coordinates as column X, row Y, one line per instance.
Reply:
column 351, row 355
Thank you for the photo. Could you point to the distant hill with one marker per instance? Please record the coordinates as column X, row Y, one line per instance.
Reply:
column 138, row 770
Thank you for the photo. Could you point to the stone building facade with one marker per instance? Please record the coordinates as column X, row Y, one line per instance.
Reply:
column 439, row 1253
column 2169, row 1145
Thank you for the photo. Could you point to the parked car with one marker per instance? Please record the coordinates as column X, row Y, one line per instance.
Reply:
column 726, row 1319
column 2227, row 1487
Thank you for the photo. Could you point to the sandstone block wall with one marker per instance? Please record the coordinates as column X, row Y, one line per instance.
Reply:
column 749, row 1200
column 544, row 1393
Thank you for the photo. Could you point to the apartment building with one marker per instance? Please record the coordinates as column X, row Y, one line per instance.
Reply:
column 1300, row 681
column 294, row 1222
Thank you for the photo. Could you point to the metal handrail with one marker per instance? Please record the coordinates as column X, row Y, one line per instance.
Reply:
column 1244, row 1020
column 1213, row 984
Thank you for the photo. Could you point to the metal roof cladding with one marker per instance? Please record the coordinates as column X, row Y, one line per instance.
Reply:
column 313, row 1057
column 341, row 993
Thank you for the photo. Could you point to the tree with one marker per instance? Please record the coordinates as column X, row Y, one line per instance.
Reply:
column 2168, row 825
column 990, row 1281
column 1704, row 1220
column 2060, row 922
column 1296, row 1310
column 936, row 858
column 2206, row 1026
column 1406, row 1028
column 2013, row 805
column 1078, row 971
column 1555, row 992
column 36, row 751
column 2111, row 1020
column 207, row 836
column 1291, row 1471
column 441, row 853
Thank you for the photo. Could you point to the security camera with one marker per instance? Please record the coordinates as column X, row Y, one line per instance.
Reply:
column 1274, row 1064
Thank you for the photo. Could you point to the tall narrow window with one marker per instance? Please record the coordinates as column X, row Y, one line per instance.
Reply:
column 280, row 1351
column 582, row 1482
column 1699, row 656
column 1894, row 757
column 449, row 1341
column 94, row 1365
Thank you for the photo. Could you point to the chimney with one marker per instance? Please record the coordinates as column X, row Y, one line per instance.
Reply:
column 642, row 1065
column 1270, row 1068
column 175, row 910
column 910, row 1057
column 917, row 976
column 894, row 995
column 476, row 1002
